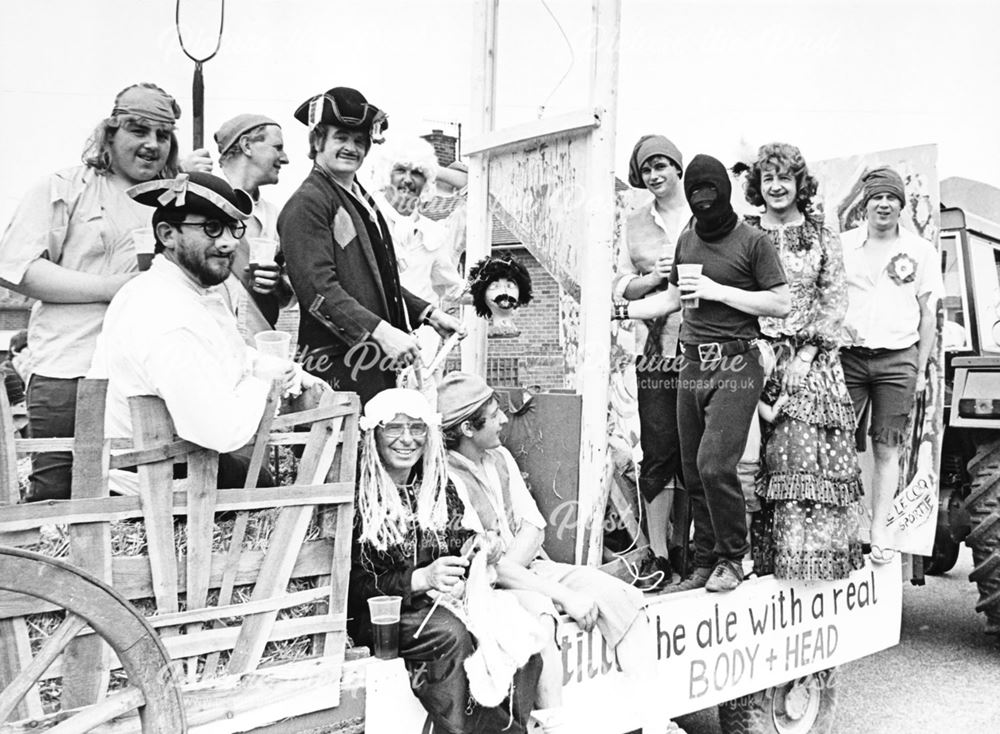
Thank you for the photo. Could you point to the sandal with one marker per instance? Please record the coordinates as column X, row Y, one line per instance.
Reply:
column 881, row 555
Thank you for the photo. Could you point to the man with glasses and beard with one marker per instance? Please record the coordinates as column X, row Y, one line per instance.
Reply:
column 170, row 333
column 357, row 319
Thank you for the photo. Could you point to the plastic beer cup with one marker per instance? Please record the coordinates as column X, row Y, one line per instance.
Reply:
column 144, row 242
column 262, row 250
column 385, row 625
column 274, row 343
column 687, row 270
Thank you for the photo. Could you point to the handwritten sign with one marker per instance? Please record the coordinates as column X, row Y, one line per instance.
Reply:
column 711, row 648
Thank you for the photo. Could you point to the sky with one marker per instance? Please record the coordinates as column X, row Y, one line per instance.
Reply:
column 835, row 77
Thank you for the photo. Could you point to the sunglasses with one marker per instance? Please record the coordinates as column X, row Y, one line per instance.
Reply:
column 394, row 431
column 213, row 228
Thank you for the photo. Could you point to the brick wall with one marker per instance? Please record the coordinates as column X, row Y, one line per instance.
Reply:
column 444, row 146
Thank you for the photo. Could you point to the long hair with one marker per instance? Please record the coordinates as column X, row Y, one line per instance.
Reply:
column 781, row 157
column 97, row 151
column 383, row 517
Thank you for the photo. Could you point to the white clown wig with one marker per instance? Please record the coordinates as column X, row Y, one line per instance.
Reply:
column 414, row 153
column 384, row 517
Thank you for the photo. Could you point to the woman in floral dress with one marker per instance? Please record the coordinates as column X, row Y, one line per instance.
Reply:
column 810, row 481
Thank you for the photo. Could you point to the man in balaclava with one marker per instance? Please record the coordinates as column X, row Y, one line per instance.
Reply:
column 722, row 373
column 889, row 270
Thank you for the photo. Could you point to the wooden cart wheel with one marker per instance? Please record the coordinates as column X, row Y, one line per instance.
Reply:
column 88, row 601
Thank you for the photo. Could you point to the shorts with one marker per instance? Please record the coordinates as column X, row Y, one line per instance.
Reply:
column 883, row 382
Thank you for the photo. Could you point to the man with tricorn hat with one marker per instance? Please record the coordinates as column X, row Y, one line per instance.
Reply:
column 170, row 333
column 69, row 245
column 357, row 320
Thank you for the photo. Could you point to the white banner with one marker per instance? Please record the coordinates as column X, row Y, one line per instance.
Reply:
column 709, row 648
column 712, row 648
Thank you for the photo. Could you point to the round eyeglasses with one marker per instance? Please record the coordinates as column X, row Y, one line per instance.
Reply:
column 213, row 228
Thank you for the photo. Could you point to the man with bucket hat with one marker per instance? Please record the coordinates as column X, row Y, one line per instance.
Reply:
column 357, row 320
column 70, row 246
column 170, row 333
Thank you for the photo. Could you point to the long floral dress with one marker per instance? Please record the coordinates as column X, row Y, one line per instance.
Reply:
column 810, row 482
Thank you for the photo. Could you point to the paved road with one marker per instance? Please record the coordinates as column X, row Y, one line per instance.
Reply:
column 944, row 676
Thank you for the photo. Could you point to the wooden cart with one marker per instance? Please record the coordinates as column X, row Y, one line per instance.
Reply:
column 195, row 661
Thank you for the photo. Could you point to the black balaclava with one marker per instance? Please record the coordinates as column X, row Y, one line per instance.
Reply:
column 718, row 220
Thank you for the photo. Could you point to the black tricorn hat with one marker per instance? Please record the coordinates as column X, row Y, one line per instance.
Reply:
column 344, row 107
column 198, row 193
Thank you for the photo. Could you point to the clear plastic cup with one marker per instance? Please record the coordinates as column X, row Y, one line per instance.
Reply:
column 262, row 250
column 144, row 242
column 687, row 270
column 274, row 343
column 385, row 625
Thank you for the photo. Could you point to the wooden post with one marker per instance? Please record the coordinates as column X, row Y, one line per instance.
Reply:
column 86, row 675
column 479, row 237
column 593, row 369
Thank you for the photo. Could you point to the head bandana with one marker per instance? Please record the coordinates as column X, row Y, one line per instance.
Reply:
column 647, row 147
column 884, row 180
column 150, row 104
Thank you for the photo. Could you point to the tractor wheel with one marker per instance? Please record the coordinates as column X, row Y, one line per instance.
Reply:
column 803, row 706
column 945, row 552
column 983, row 504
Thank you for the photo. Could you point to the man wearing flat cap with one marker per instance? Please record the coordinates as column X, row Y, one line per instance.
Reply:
column 889, row 270
column 251, row 154
column 357, row 320
column 69, row 245
column 170, row 333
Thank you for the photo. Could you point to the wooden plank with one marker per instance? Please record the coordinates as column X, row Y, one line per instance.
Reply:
column 168, row 450
column 15, row 656
column 340, row 564
column 290, row 420
column 86, row 673
column 479, row 229
column 41, row 445
column 229, row 573
column 259, row 453
column 151, row 426
column 12, row 693
column 224, row 638
column 286, row 539
column 9, row 491
column 114, row 705
column 111, row 509
column 131, row 576
column 497, row 141
column 595, row 286
column 244, row 702
column 203, row 470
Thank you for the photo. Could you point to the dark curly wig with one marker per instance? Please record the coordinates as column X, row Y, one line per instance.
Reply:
column 490, row 269
column 782, row 157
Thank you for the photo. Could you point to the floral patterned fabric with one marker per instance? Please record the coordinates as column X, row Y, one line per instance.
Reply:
column 810, row 482
column 814, row 265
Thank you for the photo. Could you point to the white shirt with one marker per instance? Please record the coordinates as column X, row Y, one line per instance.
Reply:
column 165, row 335
column 425, row 265
column 883, row 312
column 524, row 508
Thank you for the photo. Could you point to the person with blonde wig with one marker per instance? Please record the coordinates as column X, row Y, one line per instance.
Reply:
column 410, row 541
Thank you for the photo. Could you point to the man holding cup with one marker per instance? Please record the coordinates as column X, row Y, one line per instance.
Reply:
column 251, row 154
column 732, row 275
column 170, row 333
